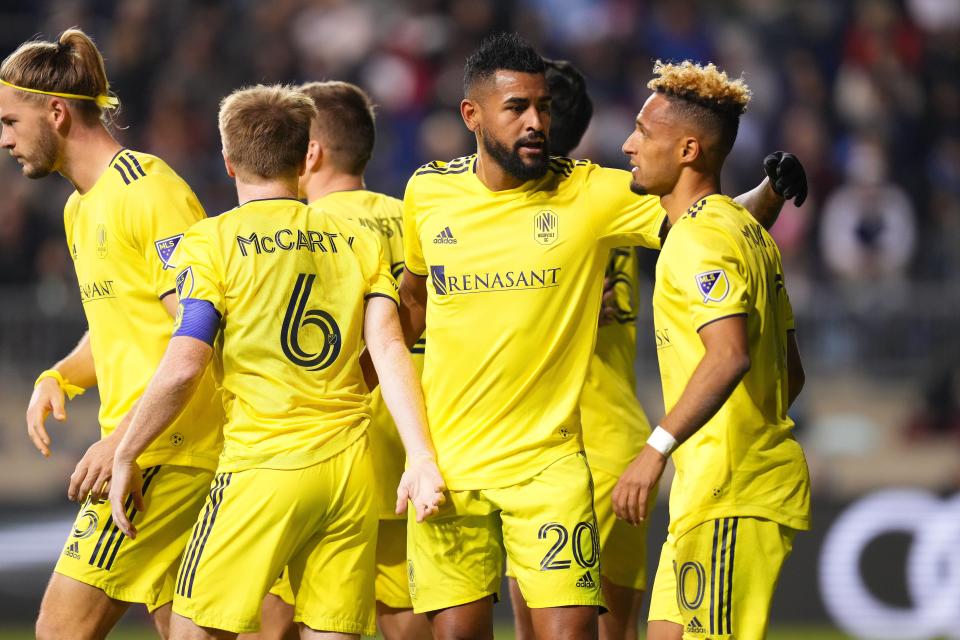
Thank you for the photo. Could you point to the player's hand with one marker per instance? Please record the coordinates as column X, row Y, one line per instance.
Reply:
column 787, row 176
column 47, row 398
column 93, row 472
column 127, row 480
column 422, row 485
column 608, row 304
column 636, row 484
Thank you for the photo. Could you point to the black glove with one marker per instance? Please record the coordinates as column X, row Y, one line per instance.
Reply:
column 787, row 176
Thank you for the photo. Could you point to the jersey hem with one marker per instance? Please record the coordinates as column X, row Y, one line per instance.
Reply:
column 687, row 523
column 480, row 482
column 285, row 462
column 177, row 459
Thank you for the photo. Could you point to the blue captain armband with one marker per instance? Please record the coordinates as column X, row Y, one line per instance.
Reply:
column 198, row 319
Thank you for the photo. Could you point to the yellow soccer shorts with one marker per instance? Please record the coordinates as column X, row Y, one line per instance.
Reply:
column 545, row 526
column 717, row 580
column 320, row 522
column 391, row 581
column 143, row 569
column 623, row 547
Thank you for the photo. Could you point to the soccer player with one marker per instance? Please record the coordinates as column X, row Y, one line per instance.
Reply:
column 128, row 213
column 730, row 369
column 505, row 255
column 280, row 295
column 613, row 421
column 341, row 143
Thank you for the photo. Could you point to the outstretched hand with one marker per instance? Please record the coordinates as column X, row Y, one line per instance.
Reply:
column 422, row 485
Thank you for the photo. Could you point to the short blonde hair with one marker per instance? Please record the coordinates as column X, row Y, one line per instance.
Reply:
column 704, row 85
column 707, row 96
column 265, row 130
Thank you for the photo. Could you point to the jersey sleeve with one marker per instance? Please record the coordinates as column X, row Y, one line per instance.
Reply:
column 412, row 251
column 621, row 217
column 380, row 281
column 706, row 267
column 158, row 215
column 198, row 270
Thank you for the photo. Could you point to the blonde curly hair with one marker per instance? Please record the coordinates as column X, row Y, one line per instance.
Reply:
column 706, row 86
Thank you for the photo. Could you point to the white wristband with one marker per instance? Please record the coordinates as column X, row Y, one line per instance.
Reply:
column 662, row 441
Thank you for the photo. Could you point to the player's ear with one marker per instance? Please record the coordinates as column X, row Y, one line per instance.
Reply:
column 470, row 113
column 690, row 150
column 314, row 157
column 227, row 165
column 58, row 114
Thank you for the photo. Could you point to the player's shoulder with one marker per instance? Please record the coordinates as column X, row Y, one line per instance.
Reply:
column 567, row 167
column 713, row 221
column 447, row 168
column 141, row 173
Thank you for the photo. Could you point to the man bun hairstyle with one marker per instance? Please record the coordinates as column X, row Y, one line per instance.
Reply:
column 71, row 65
column 501, row 51
column 265, row 130
column 706, row 95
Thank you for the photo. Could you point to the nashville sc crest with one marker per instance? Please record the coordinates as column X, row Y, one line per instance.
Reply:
column 546, row 227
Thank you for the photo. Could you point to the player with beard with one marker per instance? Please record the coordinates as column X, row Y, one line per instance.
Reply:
column 127, row 215
column 505, row 256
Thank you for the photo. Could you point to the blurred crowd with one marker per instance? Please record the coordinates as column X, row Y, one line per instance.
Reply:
column 866, row 92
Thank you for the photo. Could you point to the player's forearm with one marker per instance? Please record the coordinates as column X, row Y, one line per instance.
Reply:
column 712, row 382
column 77, row 366
column 762, row 202
column 169, row 391
column 404, row 397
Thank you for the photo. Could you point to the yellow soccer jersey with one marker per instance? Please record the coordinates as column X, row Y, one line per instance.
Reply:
column 383, row 215
column 719, row 262
column 615, row 427
column 121, row 234
column 289, row 282
column 514, row 285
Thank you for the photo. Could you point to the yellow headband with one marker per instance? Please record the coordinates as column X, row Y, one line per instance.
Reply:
column 103, row 100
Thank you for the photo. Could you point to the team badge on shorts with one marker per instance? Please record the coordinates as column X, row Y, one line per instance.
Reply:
column 166, row 247
column 713, row 285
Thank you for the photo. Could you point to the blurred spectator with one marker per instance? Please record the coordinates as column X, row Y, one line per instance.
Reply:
column 868, row 230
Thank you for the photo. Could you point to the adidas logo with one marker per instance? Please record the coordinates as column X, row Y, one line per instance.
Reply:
column 73, row 550
column 586, row 581
column 695, row 627
column 445, row 237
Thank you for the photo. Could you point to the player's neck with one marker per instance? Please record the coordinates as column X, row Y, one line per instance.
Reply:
column 690, row 188
column 322, row 184
column 492, row 175
column 266, row 190
column 86, row 155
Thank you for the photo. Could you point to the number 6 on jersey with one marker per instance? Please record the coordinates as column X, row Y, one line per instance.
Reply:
column 296, row 317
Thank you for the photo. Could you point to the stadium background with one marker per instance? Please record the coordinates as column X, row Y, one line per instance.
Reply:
column 865, row 92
